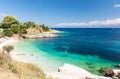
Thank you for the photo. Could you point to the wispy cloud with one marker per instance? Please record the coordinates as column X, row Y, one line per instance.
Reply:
column 117, row 5
column 91, row 23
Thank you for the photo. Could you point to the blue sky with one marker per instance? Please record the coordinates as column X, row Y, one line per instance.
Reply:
column 63, row 13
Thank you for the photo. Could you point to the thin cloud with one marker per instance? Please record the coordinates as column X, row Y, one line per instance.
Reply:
column 91, row 23
column 117, row 5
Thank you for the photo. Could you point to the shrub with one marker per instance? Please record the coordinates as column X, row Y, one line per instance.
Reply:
column 44, row 28
column 8, row 48
column 7, row 32
column 29, row 24
column 14, row 28
column 13, row 68
column 8, row 21
column 22, row 29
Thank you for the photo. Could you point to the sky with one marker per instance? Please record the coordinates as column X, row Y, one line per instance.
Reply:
column 64, row 13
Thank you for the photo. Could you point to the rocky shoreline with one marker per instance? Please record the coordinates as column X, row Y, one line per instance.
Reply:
column 41, row 35
column 73, row 72
column 50, row 34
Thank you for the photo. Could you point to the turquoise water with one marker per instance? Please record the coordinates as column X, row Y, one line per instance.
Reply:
column 86, row 48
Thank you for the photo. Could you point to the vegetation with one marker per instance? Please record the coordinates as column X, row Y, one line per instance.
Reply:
column 8, row 21
column 22, row 29
column 29, row 24
column 8, row 48
column 45, row 28
column 18, row 70
column 14, row 28
column 11, row 25
column 10, row 69
column 7, row 32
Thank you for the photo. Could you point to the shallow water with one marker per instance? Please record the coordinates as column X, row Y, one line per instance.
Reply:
column 90, row 49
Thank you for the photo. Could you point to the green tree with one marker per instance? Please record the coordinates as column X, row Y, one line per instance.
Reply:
column 8, row 48
column 8, row 21
column 4, row 25
column 22, row 29
column 29, row 24
column 44, row 28
column 7, row 32
column 14, row 28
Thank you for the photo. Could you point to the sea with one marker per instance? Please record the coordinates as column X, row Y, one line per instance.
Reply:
column 88, row 48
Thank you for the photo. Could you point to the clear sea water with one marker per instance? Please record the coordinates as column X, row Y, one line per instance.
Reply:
column 88, row 48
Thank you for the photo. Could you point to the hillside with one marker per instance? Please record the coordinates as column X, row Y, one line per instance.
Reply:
column 10, row 69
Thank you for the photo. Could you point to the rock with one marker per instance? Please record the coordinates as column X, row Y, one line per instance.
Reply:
column 73, row 72
column 107, row 72
column 118, row 65
column 89, row 78
column 90, row 65
column 24, row 37
column 116, row 74
column 59, row 70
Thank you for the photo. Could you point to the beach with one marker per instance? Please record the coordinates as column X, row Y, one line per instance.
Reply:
column 6, row 41
column 67, row 71
column 57, row 57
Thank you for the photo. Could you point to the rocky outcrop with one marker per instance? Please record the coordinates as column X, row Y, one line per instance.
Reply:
column 107, row 72
column 118, row 65
column 37, row 32
column 41, row 35
column 116, row 74
column 72, row 72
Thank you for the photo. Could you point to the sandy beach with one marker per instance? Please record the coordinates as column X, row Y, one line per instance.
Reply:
column 6, row 41
column 73, row 72
column 66, row 72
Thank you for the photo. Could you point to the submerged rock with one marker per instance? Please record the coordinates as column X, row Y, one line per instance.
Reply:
column 90, row 65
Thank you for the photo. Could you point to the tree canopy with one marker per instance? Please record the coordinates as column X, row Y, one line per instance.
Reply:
column 29, row 24
column 45, row 28
column 8, row 19
column 11, row 25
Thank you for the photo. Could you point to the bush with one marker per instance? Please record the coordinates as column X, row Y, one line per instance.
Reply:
column 7, row 32
column 8, row 21
column 29, row 24
column 8, row 48
column 44, row 28
column 5, row 25
column 13, row 68
column 22, row 29
column 14, row 28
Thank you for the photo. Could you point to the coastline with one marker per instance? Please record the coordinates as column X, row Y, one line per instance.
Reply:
column 50, row 34
column 7, row 41
column 66, row 72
